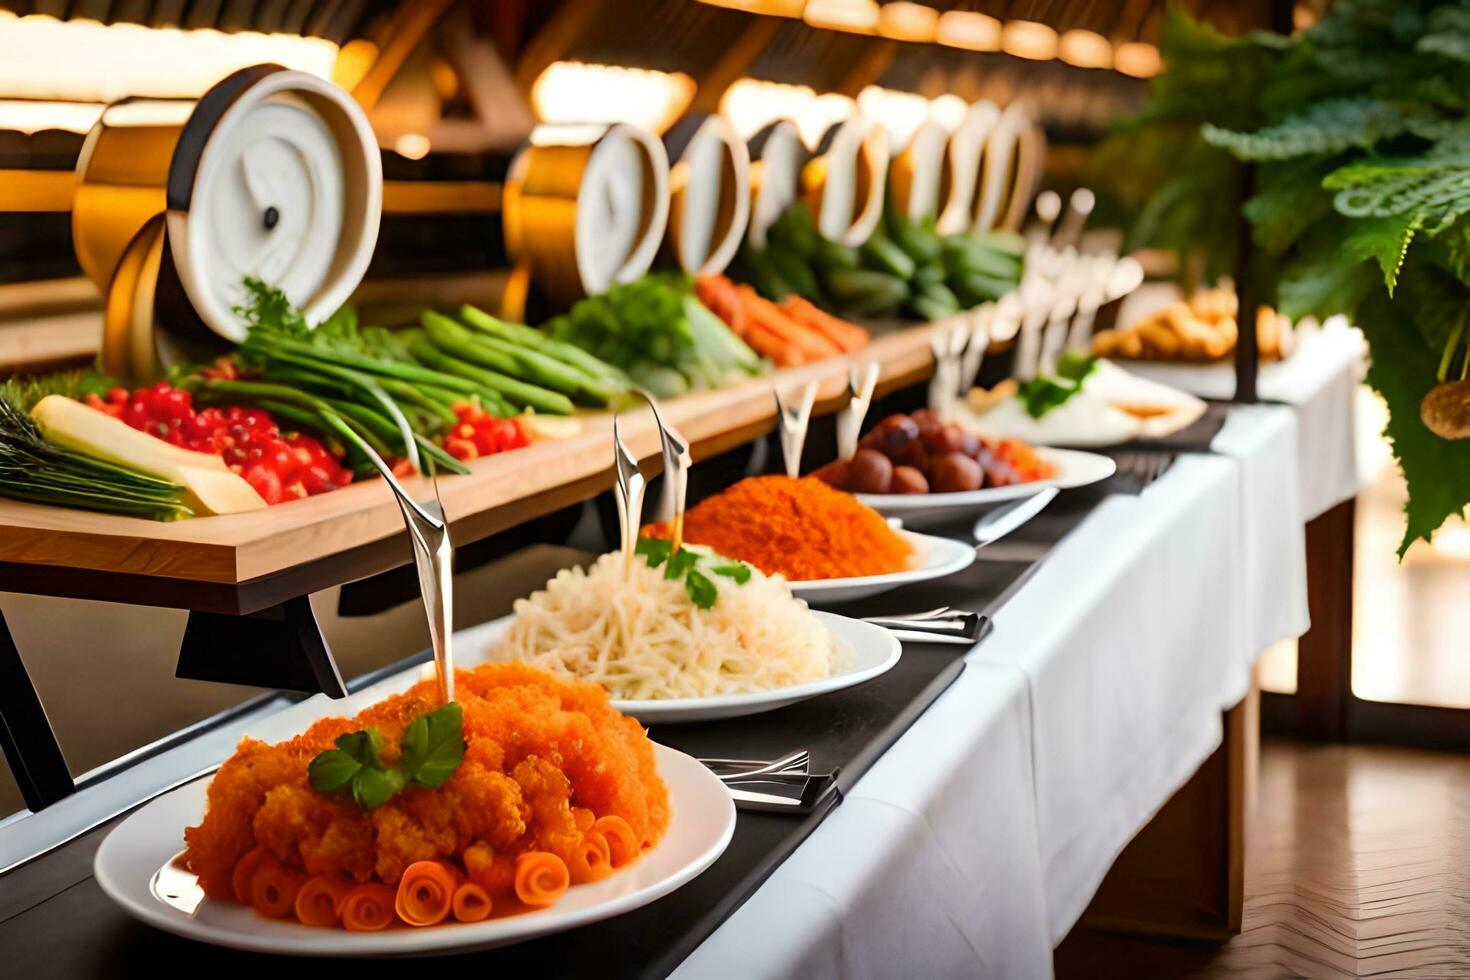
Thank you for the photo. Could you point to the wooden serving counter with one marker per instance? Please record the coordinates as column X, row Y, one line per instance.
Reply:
column 239, row 564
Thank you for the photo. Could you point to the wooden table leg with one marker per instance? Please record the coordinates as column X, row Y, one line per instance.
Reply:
column 1183, row 874
column 1325, row 652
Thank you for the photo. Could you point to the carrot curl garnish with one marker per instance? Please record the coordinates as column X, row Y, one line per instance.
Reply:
column 471, row 902
column 318, row 900
column 425, row 893
column 367, row 908
column 541, row 878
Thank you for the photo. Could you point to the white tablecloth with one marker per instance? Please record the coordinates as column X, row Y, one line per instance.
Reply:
column 1120, row 653
column 1320, row 381
column 1263, row 441
column 929, row 868
column 1131, row 634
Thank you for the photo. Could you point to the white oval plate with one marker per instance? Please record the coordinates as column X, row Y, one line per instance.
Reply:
column 940, row 557
column 702, row 821
column 1074, row 469
column 871, row 651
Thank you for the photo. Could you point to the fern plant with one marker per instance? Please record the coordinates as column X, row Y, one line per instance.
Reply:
column 1358, row 134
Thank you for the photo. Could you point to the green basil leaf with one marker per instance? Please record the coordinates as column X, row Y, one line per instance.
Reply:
column 737, row 570
column 682, row 562
column 374, row 787
column 331, row 770
column 702, row 591
column 362, row 745
column 1075, row 365
column 655, row 550
column 437, row 746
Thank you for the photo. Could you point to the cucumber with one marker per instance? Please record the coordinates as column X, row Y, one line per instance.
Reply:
column 794, row 271
column 928, row 275
column 880, row 253
column 835, row 255
column 761, row 272
column 974, row 288
column 919, row 242
column 796, row 229
column 856, row 287
column 931, row 310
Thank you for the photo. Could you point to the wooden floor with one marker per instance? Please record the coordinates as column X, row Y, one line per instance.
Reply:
column 1358, row 865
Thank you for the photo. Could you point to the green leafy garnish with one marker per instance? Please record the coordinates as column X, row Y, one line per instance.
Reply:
column 1041, row 395
column 431, row 746
column 655, row 550
column 1075, row 365
column 690, row 566
column 680, row 564
column 702, row 591
column 737, row 570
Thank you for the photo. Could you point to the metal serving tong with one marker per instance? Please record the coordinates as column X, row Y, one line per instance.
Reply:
column 860, row 386
column 790, row 768
column 792, row 421
column 433, row 557
column 631, row 486
column 942, row 625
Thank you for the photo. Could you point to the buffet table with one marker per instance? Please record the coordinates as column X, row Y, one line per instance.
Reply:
column 976, row 840
column 1118, row 656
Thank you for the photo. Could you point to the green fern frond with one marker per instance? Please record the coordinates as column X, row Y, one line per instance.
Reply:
column 1324, row 128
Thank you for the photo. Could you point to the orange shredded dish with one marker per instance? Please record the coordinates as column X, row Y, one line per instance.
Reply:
column 797, row 527
column 543, row 759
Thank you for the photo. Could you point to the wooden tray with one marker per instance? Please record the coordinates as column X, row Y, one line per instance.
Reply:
column 246, row 562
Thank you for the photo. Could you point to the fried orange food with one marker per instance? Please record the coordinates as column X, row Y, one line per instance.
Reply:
column 536, row 748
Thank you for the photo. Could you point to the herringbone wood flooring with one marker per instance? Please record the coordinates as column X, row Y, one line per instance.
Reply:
column 1357, row 865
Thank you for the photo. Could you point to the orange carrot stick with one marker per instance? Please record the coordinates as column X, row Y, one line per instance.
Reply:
column 767, row 314
column 848, row 336
column 768, row 344
column 273, row 890
column 425, row 893
column 367, row 908
column 623, row 843
column 318, row 899
column 541, row 878
column 471, row 902
column 245, row 869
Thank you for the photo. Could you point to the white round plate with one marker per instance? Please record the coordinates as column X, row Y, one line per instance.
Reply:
column 871, row 650
column 938, row 557
column 700, row 828
column 1074, row 469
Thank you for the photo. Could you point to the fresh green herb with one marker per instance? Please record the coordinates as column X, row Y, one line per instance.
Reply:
column 737, row 570
column 1041, row 395
column 680, row 564
column 34, row 470
column 1075, row 366
column 24, row 391
column 432, row 747
column 690, row 565
column 702, row 591
column 655, row 550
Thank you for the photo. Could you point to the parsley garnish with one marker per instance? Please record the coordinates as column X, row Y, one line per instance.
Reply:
column 690, row 566
column 432, row 747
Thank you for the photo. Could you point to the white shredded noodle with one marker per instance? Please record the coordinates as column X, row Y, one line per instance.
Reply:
column 641, row 637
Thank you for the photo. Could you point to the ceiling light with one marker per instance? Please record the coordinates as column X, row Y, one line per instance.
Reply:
column 1137, row 58
column 573, row 92
column 1029, row 39
column 854, row 16
column 968, row 30
column 87, row 61
column 904, row 21
column 1085, row 49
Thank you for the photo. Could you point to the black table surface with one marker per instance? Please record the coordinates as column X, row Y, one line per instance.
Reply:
column 55, row 920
